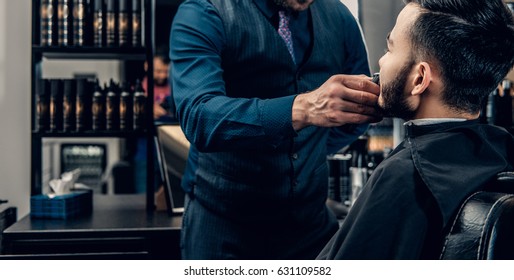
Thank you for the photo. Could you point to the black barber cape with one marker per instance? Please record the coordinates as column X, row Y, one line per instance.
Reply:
column 414, row 193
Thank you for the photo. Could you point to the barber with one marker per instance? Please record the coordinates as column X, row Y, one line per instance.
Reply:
column 264, row 90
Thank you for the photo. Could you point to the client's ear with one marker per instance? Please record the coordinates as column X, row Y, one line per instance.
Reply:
column 422, row 78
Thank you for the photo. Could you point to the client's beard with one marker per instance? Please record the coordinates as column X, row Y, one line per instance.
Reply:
column 395, row 102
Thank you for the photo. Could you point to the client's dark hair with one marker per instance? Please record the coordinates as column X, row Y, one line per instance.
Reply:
column 473, row 43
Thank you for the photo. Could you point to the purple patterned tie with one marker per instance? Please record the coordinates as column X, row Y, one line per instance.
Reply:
column 285, row 32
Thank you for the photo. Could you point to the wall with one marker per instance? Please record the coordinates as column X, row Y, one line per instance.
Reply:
column 104, row 70
column 353, row 5
column 377, row 20
column 15, row 38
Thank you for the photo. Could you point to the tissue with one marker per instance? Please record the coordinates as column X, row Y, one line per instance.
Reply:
column 66, row 183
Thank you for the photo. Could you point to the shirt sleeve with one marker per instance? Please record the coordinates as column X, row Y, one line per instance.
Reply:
column 211, row 120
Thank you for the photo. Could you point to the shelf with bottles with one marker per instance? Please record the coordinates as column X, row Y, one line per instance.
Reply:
column 80, row 107
column 91, row 30
column 90, row 23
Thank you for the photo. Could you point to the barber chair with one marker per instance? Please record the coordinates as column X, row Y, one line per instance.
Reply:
column 483, row 228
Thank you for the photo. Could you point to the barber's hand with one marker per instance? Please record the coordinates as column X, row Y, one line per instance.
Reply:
column 342, row 99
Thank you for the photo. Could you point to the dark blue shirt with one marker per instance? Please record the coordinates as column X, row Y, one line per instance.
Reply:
column 197, row 40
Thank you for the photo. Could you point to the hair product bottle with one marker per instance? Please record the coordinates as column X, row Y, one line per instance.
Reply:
column 64, row 22
column 112, row 112
column 504, row 105
column 56, row 100
column 69, row 102
column 136, row 23
column 139, row 106
column 126, row 107
column 112, row 23
column 83, row 105
column 79, row 22
column 99, row 24
column 123, row 24
column 98, row 107
column 358, row 171
column 46, row 14
column 43, row 105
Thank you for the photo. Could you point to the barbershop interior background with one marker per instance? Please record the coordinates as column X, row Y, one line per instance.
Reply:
column 15, row 82
column 17, row 154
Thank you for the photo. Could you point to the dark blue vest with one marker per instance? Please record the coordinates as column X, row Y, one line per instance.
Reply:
column 288, row 183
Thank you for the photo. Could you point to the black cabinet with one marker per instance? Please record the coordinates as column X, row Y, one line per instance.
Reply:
column 118, row 228
column 8, row 216
column 53, row 20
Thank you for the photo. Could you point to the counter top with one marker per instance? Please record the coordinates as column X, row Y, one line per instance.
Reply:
column 118, row 222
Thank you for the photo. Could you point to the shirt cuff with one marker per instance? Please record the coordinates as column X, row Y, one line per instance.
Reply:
column 276, row 116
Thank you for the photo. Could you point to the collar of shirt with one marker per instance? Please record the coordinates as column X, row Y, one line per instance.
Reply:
column 270, row 10
column 429, row 121
column 268, row 7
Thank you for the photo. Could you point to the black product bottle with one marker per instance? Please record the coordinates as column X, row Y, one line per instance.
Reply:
column 64, row 22
column 137, row 23
column 358, row 171
column 98, row 108
column 504, row 105
column 334, row 192
column 126, row 108
column 359, row 152
column 139, row 107
column 123, row 24
column 83, row 105
column 512, row 107
column 339, row 178
column 491, row 106
column 345, row 187
column 99, row 24
column 47, row 25
column 56, row 99
column 80, row 22
column 112, row 112
column 111, row 23
column 43, row 105
column 69, row 102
